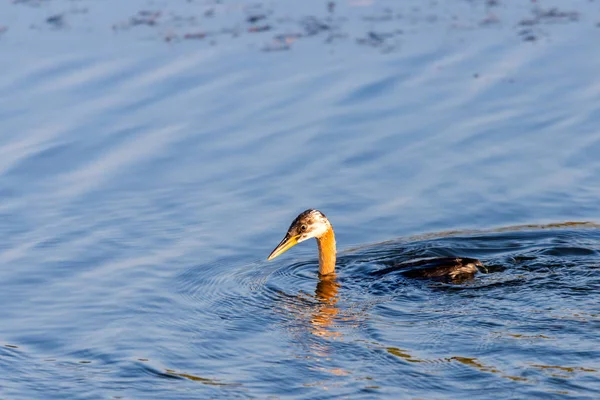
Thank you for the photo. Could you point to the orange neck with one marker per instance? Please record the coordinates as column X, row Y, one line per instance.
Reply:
column 326, row 244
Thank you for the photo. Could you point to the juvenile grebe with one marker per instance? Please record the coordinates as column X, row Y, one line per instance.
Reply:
column 313, row 223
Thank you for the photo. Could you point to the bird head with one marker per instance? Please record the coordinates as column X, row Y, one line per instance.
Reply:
column 309, row 224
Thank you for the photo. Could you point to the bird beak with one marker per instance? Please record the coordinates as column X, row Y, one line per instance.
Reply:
column 287, row 243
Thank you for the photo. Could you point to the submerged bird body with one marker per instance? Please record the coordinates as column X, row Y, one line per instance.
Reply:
column 314, row 224
column 436, row 268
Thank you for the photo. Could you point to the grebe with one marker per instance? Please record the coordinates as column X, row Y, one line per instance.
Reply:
column 314, row 224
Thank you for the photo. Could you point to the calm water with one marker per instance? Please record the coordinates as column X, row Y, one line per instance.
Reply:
column 149, row 163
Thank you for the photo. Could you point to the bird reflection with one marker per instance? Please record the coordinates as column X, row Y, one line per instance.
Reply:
column 326, row 310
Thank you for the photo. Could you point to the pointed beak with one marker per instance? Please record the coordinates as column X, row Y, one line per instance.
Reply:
column 287, row 243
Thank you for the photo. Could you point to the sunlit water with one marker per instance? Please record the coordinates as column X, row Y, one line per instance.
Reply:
column 146, row 176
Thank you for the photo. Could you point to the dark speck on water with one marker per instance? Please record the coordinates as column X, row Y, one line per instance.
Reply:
column 57, row 21
column 152, row 153
column 256, row 18
column 262, row 28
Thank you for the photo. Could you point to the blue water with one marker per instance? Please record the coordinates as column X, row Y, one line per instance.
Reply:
column 145, row 176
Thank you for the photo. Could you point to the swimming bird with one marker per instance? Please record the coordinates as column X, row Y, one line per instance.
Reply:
column 314, row 224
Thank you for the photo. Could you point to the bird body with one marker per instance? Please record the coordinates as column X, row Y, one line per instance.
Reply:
column 314, row 224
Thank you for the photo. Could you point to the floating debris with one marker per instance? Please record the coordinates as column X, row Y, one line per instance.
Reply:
column 282, row 42
column 372, row 39
column 552, row 15
column 528, row 35
column 255, row 18
column 313, row 26
column 331, row 7
column 555, row 15
column 142, row 18
column 491, row 19
column 170, row 36
column 262, row 28
column 149, row 18
column 57, row 21
column 375, row 39
column 387, row 15
column 528, row 22
column 195, row 35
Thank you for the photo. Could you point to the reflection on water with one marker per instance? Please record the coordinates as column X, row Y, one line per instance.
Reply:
column 571, row 370
column 473, row 362
column 403, row 354
column 325, row 311
column 204, row 381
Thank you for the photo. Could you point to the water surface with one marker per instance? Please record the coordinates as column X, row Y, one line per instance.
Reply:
column 146, row 176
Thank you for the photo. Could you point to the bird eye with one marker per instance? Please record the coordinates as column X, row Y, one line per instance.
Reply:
column 303, row 228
